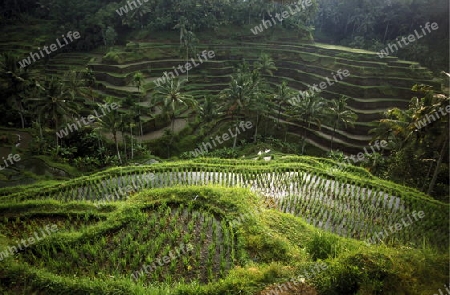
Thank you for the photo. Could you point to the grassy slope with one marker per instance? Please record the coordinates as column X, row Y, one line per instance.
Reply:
column 96, row 249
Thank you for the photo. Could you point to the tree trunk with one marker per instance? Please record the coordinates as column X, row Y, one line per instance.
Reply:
column 332, row 137
column 385, row 32
column 256, row 128
column 131, row 141
column 428, row 175
column 40, row 127
column 117, row 147
column 140, row 120
column 235, row 138
column 346, row 26
column 438, row 164
column 304, row 137
column 22, row 120
column 279, row 115
column 56, row 128
column 187, row 71
column 173, row 124
column 124, row 141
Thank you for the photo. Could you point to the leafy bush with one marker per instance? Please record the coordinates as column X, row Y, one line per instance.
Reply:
column 132, row 46
column 225, row 153
column 112, row 57
column 359, row 274
column 321, row 246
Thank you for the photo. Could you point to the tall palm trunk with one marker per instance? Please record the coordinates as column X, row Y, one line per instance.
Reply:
column 235, row 138
column 332, row 137
column 187, row 57
column 131, row 141
column 40, row 126
column 22, row 119
column 140, row 119
column 124, row 141
column 117, row 147
column 438, row 164
column 279, row 115
column 256, row 127
column 307, row 123
column 56, row 128
column 385, row 32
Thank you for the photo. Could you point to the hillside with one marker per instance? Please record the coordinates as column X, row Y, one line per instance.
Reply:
column 246, row 227
column 374, row 85
column 245, row 147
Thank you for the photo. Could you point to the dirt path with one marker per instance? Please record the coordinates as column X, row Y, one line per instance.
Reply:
column 179, row 124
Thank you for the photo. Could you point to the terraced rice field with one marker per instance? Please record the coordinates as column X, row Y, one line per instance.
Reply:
column 145, row 229
column 349, row 207
column 374, row 84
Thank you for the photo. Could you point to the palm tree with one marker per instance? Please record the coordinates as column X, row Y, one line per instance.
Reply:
column 171, row 97
column 236, row 96
column 89, row 79
column 284, row 93
column 55, row 103
column 432, row 105
column 265, row 64
column 137, row 80
column 75, row 83
column 111, row 122
column 187, row 39
column 308, row 110
column 340, row 114
column 209, row 110
column 137, row 111
column 412, row 143
column 17, row 82
column 258, row 102
column 189, row 42
column 182, row 25
column 396, row 124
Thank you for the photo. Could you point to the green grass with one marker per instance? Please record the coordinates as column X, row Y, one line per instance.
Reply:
column 239, row 245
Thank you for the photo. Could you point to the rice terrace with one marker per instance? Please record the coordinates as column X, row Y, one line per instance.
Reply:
column 260, row 147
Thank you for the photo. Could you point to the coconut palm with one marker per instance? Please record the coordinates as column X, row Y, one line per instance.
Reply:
column 436, row 133
column 339, row 114
column 55, row 103
column 236, row 97
column 182, row 25
column 137, row 80
column 188, row 46
column 187, row 39
column 170, row 96
column 75, row 83
column 308, row 110
column 16, row 82
column 209, row 110
column 398, row 125
column 265, row 64
column 413, row 143
column 110, row 123
column 258, row 103
column 284, row 93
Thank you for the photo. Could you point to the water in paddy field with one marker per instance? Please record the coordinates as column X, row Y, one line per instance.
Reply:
column 325, row 203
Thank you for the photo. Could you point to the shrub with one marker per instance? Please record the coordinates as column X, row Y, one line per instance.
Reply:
column 225, row 153
column 321, row 246
column 112, row 57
